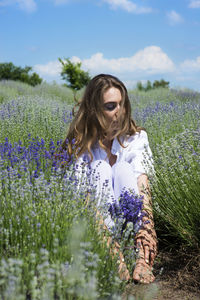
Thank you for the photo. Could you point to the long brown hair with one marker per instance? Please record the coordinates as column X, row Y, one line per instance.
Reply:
column 89, row 123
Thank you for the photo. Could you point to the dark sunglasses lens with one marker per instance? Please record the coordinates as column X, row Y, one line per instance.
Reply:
column 110, row 106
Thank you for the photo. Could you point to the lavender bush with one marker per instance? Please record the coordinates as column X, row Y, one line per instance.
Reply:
column 39, row 209
column 10, row 90
column 176, row 186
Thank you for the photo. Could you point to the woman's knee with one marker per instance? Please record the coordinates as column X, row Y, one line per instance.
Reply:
column 124, row 179
column 101, row 179
column 101, row 168
column 122, row 169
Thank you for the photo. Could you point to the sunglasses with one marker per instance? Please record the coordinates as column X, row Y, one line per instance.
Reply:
column 110, row 106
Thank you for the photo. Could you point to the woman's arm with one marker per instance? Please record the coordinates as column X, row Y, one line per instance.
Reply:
column 146, row 240
column 146, row 236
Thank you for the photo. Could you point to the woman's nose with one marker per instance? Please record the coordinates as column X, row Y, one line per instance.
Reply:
column 117, row 108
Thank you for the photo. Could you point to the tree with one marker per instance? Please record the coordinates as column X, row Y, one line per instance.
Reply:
column 73, row 75
column 156, row 84
column 162, row 83
column 139, row 86
column 8, row 71
column 148, row 86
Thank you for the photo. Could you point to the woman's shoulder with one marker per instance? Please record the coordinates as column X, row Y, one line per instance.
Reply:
column 138, row 141
column 137, row 137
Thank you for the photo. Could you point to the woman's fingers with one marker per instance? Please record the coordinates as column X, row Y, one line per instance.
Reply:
column 152, row 257
column 143, row 271
column 149, row 246
column 146, row 253
column 138, row 244
column 143, row 250
column 150, row 252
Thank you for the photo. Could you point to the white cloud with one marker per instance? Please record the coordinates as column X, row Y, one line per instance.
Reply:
column 174, row 18
column 128, row 6
column 130, row 83
column 150, row 63
column 52, row 68
column 26, row 5
column 150, row 60
column 194, row 4
column 191, row 65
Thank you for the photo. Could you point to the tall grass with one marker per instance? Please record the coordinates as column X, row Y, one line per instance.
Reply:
column 50, row 245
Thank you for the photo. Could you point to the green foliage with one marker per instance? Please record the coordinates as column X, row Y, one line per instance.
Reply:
column 8, row 71
column 156, row 84
column 43, row 117
column 148, row 86
column 162, row 83
column 10, row 90
column 75, row 78
column 139, row 86
column 175, row 188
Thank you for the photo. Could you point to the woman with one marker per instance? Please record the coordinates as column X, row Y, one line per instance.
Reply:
column 105, row 140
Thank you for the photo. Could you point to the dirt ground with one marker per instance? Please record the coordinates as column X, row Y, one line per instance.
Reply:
column 177, row 278
column 163, row 290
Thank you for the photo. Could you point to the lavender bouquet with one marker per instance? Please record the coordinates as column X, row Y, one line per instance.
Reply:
column 127, row 212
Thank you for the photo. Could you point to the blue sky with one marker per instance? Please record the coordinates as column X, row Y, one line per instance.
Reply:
column 132, row 39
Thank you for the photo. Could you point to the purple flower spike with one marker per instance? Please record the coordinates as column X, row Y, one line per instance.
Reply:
column 129, row 208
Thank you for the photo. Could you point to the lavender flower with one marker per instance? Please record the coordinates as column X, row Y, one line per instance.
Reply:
column 128, row 209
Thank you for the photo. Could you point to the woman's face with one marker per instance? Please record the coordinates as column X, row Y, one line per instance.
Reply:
column 112, row 101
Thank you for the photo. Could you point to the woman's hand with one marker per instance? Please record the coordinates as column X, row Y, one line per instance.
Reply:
column 146, row 239
column 146, row 243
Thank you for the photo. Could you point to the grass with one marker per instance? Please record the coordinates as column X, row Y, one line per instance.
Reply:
column 50, row 246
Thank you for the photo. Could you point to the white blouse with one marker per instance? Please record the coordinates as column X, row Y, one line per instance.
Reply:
column 136, row 152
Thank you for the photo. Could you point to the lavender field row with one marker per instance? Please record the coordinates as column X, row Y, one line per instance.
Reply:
column 50, row 246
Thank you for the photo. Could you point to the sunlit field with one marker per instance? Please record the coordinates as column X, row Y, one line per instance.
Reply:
column 50, row 244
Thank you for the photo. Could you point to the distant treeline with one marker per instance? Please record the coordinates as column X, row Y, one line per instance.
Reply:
column 150, row 86
column 71, row 72
column 8, row 71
